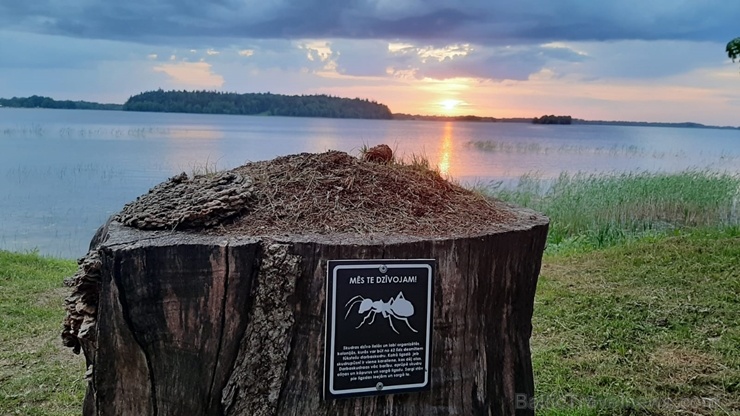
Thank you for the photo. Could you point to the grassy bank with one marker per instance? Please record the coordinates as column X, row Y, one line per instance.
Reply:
column 637, row 308
column 650, row 327
column 37, row 375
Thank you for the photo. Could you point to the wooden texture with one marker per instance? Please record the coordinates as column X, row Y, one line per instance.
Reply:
column 202, row 325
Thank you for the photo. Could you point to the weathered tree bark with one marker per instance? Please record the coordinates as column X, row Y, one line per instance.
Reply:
column 192, row 324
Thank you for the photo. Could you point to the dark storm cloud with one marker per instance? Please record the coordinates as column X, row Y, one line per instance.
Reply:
column 478, row 21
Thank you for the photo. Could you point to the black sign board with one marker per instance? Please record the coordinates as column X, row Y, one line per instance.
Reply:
column 378, row 327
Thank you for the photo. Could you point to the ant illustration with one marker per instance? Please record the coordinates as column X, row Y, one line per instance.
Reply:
column 397, row 307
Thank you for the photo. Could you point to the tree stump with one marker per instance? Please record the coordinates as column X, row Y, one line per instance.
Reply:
column 223, row 321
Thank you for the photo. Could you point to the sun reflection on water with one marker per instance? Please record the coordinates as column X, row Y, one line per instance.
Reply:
column 445, row 150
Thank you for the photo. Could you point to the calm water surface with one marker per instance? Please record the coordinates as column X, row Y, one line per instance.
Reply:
column 63, row 172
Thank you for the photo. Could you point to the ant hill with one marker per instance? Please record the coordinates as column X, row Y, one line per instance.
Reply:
column 330, row 192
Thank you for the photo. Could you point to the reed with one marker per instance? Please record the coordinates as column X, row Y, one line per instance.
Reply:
column 39, row 131
column 624, row 151
column 604, row 210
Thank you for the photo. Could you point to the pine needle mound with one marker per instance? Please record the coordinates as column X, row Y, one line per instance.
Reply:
column 323, row 193
column 334, row 192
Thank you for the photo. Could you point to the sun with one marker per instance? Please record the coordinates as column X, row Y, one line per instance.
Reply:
column 449, row 106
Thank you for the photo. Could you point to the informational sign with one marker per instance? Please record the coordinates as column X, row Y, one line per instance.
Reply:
column 378, row 327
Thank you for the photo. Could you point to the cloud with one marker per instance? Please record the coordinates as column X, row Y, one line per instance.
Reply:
column 33, row 51
column 637, row 59
column 440, row 62
column 179, row 22
column 191, row 74
column 316, row 50
column 363, row 58
column 449, row 52
column 380, row 49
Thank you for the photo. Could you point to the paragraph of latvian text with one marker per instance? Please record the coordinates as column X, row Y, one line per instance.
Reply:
column 379, row 361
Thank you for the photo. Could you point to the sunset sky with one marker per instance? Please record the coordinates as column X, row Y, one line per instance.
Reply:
column 656, row 60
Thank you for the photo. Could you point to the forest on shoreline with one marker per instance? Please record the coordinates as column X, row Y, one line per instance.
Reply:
column 212, row 102
column 326, row 106
column 36, row 101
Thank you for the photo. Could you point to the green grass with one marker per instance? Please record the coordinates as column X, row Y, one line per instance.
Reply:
column 637, row 308
column 37, row 375
column 650, row 327
column 596, row 211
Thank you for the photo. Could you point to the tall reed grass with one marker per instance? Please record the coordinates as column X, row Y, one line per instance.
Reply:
column 516, row 147
column 37, row 130
column 604, row 210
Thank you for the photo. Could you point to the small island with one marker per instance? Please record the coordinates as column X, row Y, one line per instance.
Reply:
column 266, row 104
column 213, row 102
column 551, row 119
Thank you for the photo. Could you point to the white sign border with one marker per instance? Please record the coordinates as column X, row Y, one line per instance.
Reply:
column 430, row 304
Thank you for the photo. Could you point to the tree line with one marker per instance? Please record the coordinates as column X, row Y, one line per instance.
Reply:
column 36, row 101
column 214, row 102
column 551, row 119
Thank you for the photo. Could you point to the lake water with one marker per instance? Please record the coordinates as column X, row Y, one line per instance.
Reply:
column 64, row 172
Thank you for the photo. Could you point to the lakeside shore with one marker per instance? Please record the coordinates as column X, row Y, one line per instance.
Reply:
column 636, row 308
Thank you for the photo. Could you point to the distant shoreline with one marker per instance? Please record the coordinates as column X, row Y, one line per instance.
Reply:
column 49, row 103
column 401, row 116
